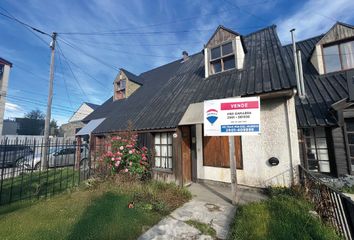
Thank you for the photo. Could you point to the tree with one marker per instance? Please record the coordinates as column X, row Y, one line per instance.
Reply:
column 54, row 129
column 35, row 114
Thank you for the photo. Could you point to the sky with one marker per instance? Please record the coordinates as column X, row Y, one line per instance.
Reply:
column 97, row 37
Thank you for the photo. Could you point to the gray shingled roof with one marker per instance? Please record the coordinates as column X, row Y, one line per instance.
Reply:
column 321, row 90
column 132, row 77
column 168, row 90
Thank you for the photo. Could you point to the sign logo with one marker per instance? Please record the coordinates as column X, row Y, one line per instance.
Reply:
column 212, row 115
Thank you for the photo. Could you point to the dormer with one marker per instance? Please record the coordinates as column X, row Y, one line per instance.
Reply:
column 335, row 51
column 224, row 51
column 125, row 84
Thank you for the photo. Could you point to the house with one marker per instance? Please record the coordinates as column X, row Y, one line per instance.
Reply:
column 75, row 122
column 5, row 67
column 325, row 117
column 166, row 109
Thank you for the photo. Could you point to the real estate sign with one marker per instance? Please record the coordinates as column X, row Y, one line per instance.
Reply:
column 232, row 117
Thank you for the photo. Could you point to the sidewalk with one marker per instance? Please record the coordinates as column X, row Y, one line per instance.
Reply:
column 211, row 205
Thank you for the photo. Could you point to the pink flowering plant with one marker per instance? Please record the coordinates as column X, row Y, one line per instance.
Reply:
column 126, row 157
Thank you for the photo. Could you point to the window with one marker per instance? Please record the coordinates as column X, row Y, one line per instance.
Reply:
column 222, row 58
column 163, row 150
column 349, row 122
column 121, row 84
column 339, row 57
column 317, row 150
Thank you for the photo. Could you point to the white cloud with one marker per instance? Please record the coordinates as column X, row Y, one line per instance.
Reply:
column 315, row 17
column 13, row 110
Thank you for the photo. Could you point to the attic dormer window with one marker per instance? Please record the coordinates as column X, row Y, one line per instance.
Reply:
column 222, row 58
column 339, row 56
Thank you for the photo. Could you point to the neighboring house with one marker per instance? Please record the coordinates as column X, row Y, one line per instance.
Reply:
column 75, row 122
column 325, row 117
column 167, row 111
column 4, row 80
column 10, row 127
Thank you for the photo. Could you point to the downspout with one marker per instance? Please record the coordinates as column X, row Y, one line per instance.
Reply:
column 291, row 147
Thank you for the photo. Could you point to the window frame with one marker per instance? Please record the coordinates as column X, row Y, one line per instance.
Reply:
column 313, row 137
column 169, row 136
column 337, row 44
column 222, row 57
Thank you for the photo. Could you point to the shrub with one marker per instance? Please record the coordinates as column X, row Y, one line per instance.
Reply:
column 126, row 157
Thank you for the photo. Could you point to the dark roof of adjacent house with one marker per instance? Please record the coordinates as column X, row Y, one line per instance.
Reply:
column 168, row 90
column 91, row 105
column 5, row 62
column 132, row 77
column 321, row 90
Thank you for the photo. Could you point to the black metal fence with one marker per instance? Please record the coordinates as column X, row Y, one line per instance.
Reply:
column 333, row 206
column 22, row 175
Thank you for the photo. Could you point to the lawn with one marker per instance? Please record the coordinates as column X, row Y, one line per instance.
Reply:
column 282, row 216
column 98, row 210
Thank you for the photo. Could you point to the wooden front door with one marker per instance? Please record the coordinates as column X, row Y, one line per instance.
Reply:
column 216, row 152
column 186, row 155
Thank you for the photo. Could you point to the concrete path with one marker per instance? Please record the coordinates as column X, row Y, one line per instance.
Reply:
column 210, row 205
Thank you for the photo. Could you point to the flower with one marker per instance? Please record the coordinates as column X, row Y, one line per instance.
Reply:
column 144, row 158
column 121, row 148
column 126, row 170
column 130, row 151
column 117, row 164
column 130, row 163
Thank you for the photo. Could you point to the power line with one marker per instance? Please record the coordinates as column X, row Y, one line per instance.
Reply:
column 245, row 11
column 66, row 87
column 85, row 72
column 135, row 53
column 23, row 23
column 77, row 81
column 28, row 27
column 89, row 55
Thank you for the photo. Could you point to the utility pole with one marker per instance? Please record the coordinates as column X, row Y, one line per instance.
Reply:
column 44, row 163
column 233, row 170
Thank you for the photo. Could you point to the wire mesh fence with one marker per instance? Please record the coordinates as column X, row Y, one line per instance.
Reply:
column 23, row 177
column 333, row 206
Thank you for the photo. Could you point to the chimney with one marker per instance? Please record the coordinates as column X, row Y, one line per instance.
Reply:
column 185, row 56
column 350, row 80
column 301, row 76
column 298, row 69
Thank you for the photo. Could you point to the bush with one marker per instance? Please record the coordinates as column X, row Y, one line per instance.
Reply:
column 294, row 191
column 126, row 157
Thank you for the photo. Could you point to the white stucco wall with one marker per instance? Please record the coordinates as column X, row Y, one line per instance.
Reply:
column 83, row 111
column 274, row 141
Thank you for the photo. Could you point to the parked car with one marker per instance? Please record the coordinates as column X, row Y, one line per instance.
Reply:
column 59, row 157
column 11, row 155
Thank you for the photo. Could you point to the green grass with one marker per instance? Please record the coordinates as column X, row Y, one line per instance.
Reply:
column 348, row 189
column 99, row 211
column 205, row 229
column 38, row 183
column 282, row 216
